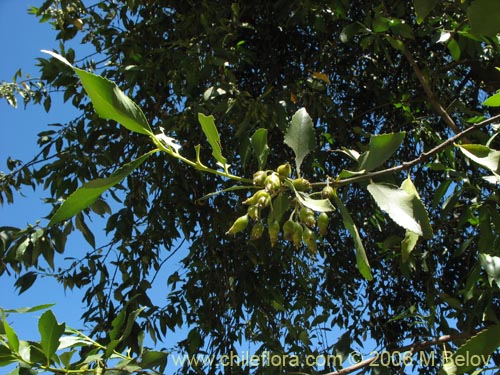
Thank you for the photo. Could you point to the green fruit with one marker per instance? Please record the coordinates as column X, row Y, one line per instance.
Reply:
column 273, row 230
column 239, row 225
column 322, row 223
column 259, row 178
column 253, row 212
column 301, row 184
column 260, row 198
column 328, row 192
column 297, row 235
column 257, row 231
column 306, row 216
column 284, row 170
column 272, row 183
column 309, row 238
column 288, row 229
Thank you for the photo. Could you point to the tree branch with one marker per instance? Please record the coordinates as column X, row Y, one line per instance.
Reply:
column 430, row 95
column 415, row 347
column 423, row 157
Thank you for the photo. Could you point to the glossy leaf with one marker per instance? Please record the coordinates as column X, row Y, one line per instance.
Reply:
column 12, row 339
column 90, row 191
column 260, row 147
column 381, row 148
column 361, row 258
column 408, row 244
column 419, row 210
column 398, row 204
column 300, row 136
column 50, row 332
column 491, row 264
column 493, row 101
column 208, row 125
column 109, row 101
column 482, row 155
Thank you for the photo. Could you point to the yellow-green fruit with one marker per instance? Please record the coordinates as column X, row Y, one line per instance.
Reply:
column 272, row 183
column 257, row 231
column 253, row 212
column 260, row 198
column 309, row 239
column 259, row 178
column 306, row 216
column 322, row 223
column 328, row 192
column 284, row 170
column 239, row 225
column 301, row 184
column 288, row 229
column 297, row 235
column 274, row 230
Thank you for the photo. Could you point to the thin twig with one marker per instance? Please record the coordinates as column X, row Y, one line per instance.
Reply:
column 430, row 95
column 415, row 347
column 423, row 157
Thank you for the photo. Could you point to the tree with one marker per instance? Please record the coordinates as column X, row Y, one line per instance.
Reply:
column 379, row 106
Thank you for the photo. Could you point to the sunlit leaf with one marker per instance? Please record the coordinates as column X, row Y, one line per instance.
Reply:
column 493, row 101
column 419, row 210
column 90, row 191
column 300, row 136
column 398, row 204
column 491, row 264
column 208, row 126
column 482, row 155
column 408, row 244
column 109, row 101
column 50, row 332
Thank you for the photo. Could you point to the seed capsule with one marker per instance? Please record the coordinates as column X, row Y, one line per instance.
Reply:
column 273, row 230
column 284, row 170
column 301, row 184
column 259, row 178
column 328, row 192
column 272, row 183
column 288, row 229
column 309, row 239
column 257, row 231
column 306, row 216
column 253, row 212
column 260, row 198
column 322, row 223
column 239, row 225
column 297, row 235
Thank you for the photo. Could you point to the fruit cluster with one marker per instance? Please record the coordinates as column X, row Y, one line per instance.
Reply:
column 301, row 225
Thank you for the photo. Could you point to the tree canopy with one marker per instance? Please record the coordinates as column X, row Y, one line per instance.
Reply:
column 352, row 146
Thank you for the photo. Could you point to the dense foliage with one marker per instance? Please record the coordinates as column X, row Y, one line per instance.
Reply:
column 417, row 71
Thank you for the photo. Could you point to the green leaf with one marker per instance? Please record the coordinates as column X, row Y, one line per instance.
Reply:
column 24, row 310
column 419, row 210
column 12, row 339
column 408, row 244
column 423, row 8
column 361, row 259
column 6, row 356
column 481, row 346
column 318, row 205
column 300, row 136
column 493, row 101
column 491, row 264
column 280, row 205
column 381, row 148
column 260, row 147
column 482, row 155
column 109, row 101
column 90, row 191
column 398, row 204
column 454, row 49
column 82, row 227
column 208, row 126
column 483, row 16
column 50, row 332
column 151, row 359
